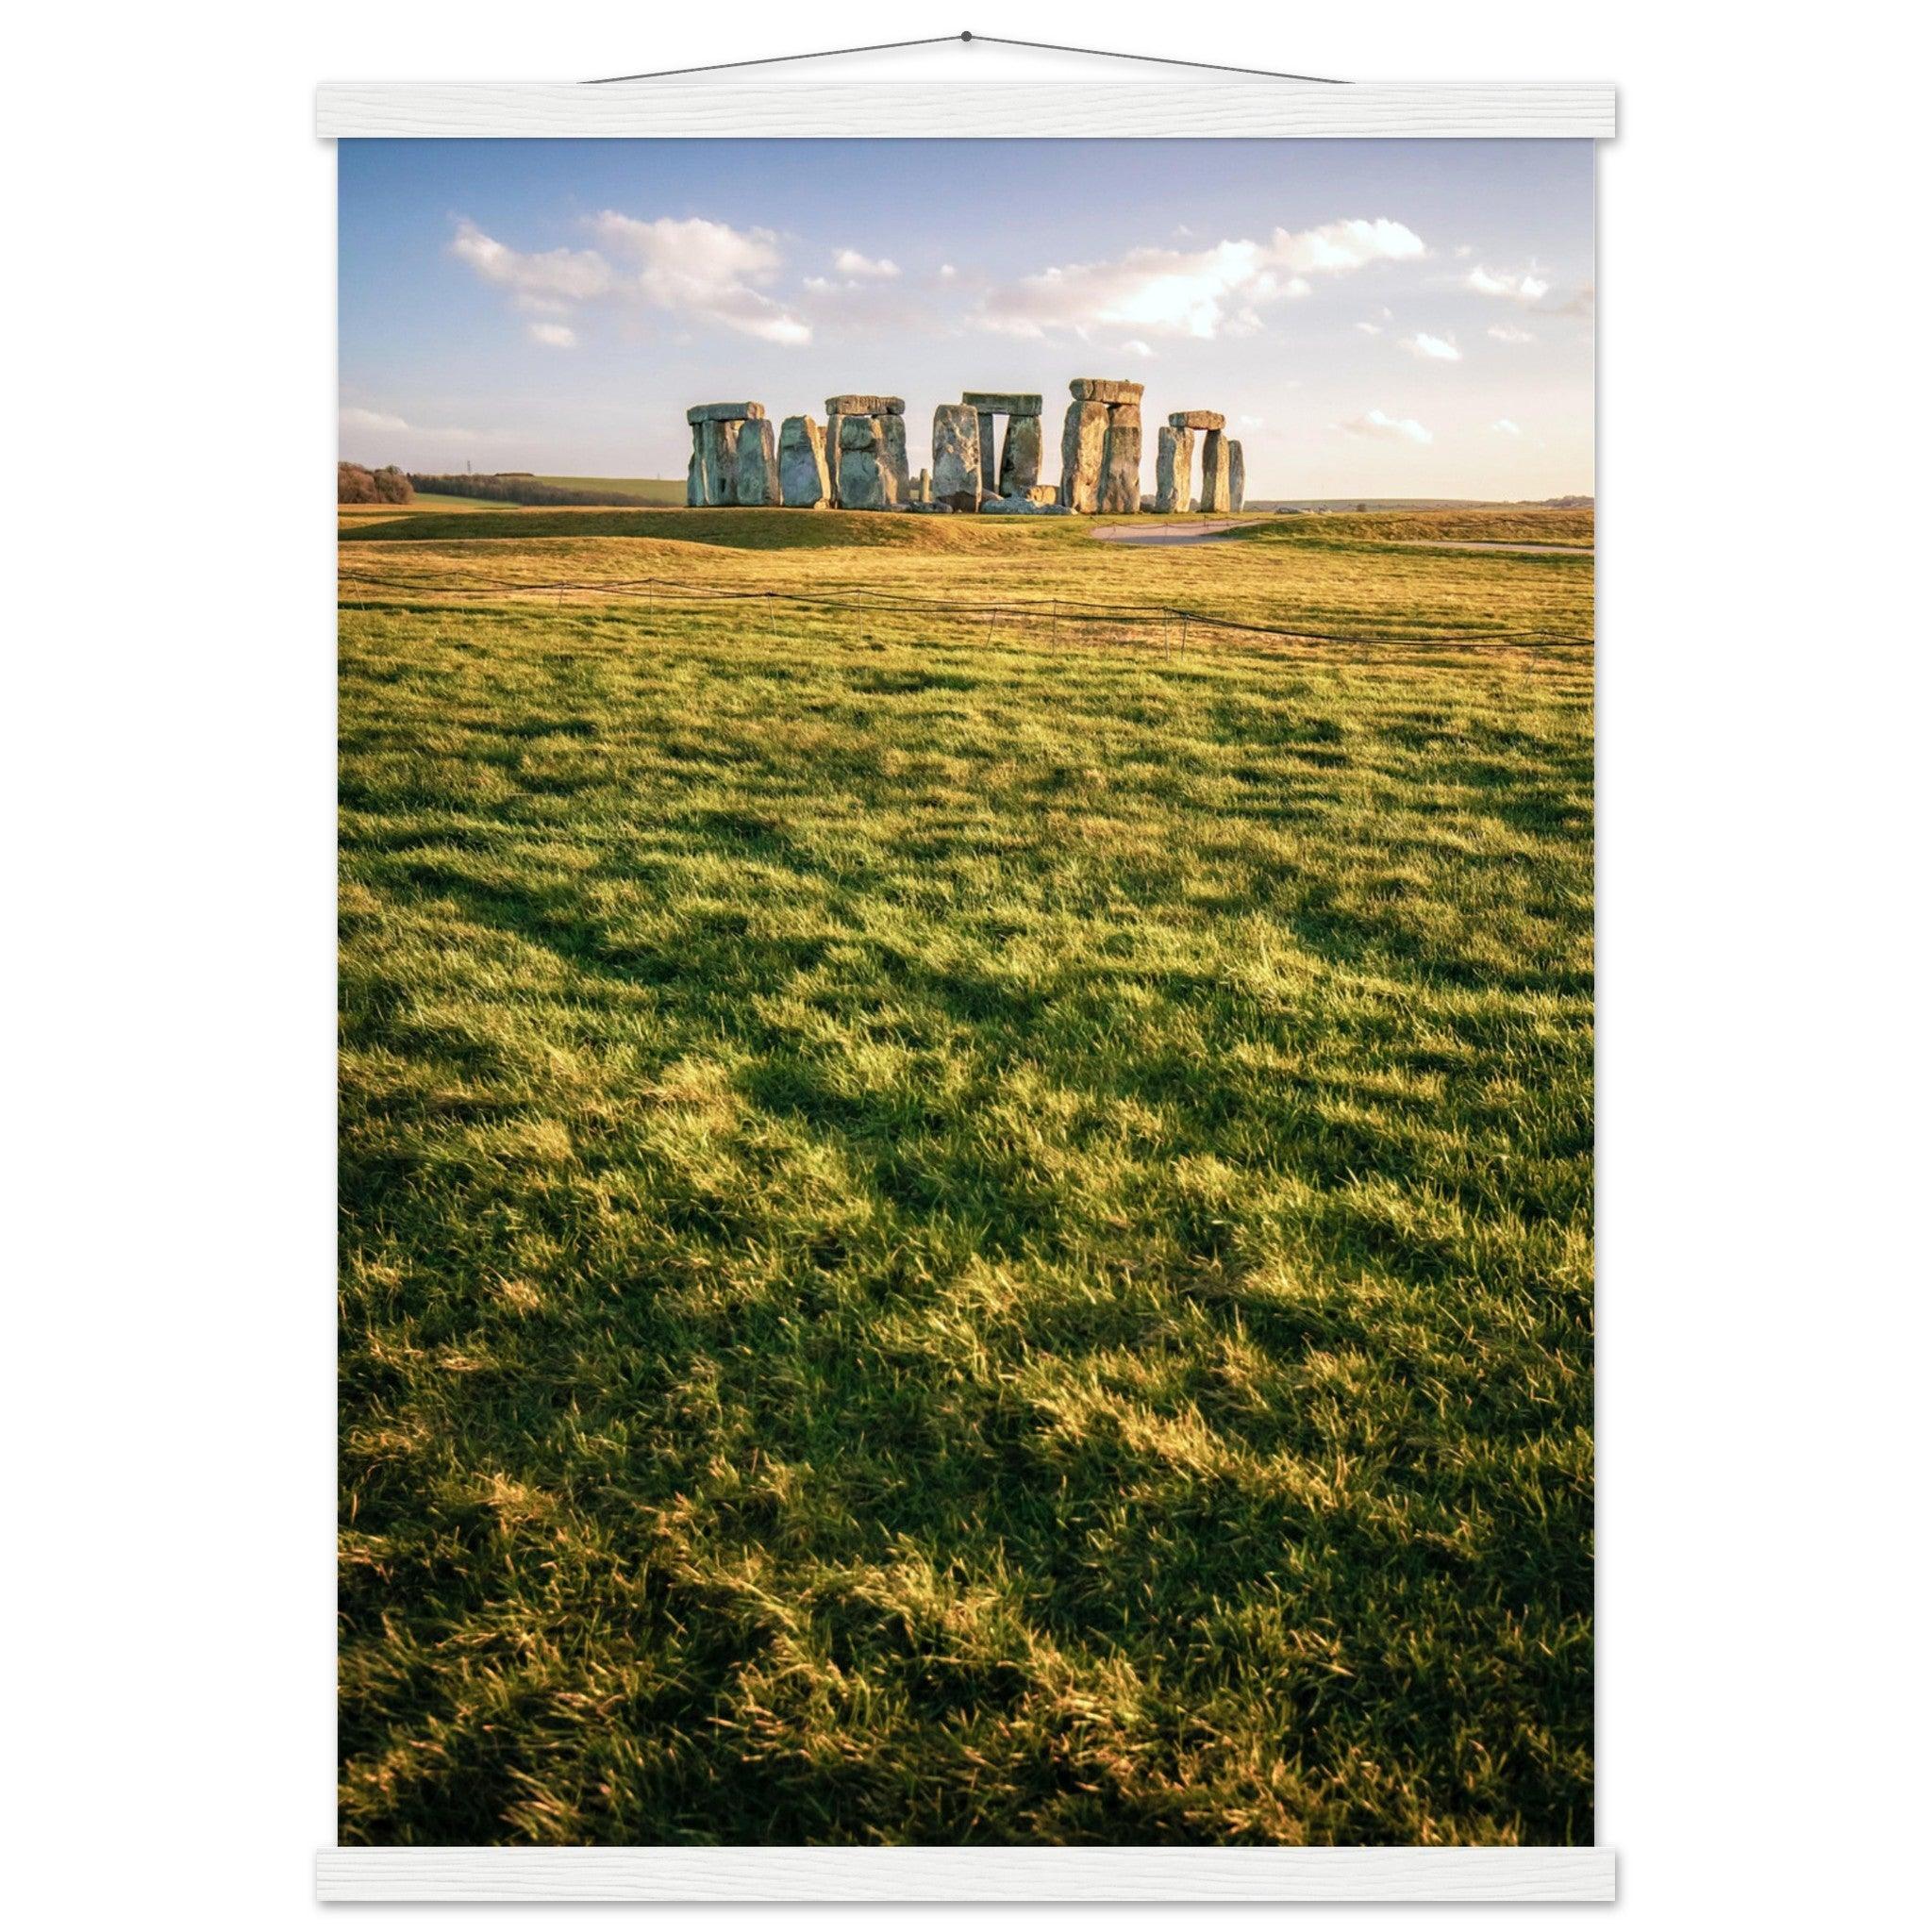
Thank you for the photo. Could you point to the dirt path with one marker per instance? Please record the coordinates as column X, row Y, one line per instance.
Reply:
column 1164, row 533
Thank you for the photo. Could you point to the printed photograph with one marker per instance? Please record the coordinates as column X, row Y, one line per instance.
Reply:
column 966, row 971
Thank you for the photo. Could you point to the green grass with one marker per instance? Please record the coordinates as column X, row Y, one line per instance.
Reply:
column 647, row 489
column 957, row 1233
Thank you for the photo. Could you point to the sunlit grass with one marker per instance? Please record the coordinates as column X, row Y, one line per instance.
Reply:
column 957, row 1231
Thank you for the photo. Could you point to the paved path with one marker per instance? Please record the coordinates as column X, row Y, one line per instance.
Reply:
column 1164, row 533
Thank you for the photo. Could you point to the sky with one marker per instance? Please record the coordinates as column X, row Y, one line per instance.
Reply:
column 1374, row 317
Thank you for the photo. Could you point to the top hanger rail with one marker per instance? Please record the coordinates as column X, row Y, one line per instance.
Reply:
column 944, row 40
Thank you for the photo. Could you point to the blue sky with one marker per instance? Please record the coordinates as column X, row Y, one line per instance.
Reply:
column 1374, row 317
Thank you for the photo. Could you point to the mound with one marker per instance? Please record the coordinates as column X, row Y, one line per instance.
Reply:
column 733, row 530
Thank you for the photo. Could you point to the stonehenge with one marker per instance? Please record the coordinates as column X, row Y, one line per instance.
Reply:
column 860, row 460
column 1100, row 446
column 868, row 434
column 715, row 432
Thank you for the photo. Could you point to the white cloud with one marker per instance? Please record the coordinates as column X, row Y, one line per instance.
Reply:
column 1528, row 288
column 373, row 421
column 1342, row 247
column 848, row 261
column 546, row 281
column 553, row 335
column 379, row 436
column 1369, row 328
column 704, row 269
column 1135, row 347
column 1502, row 426
column 1377, row 423
column 1201, row 292
column 947, row 271
column 1508, row 332
column 1432, row 348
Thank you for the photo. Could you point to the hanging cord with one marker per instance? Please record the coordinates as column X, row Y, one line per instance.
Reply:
column 941, row 39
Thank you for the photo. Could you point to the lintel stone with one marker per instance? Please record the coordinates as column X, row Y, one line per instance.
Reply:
column 724, row 412
column 866, row 406
column 1004, row 402
column 1097, row 389
column 1197, row 419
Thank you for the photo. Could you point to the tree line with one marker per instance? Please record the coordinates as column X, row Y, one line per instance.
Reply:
column 521, row 487
column 355, row 484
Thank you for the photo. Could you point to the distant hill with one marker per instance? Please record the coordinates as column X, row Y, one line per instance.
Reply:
column 555, row 492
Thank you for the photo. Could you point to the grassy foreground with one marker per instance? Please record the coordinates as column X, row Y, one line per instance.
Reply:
column 961, row 1230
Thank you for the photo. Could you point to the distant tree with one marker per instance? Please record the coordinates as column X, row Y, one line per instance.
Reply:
column 354, row 484
column 392, row 486
column 518, row 486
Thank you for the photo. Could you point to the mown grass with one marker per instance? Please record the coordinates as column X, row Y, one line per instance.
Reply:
column 956, row 1232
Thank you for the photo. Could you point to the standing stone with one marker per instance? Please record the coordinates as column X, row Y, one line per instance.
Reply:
column 1019, row 456
column 861, row 480
column 718, row 461
column 804, row 482
column 1236, row 477
column 956, row 457
column 1214, row 478
column 757, row 463
column 1119, row 461
column 988, row 474
column 1173, row 469
column 834, row 423
column 892, row 468
column 1083, row 441
column 694, row 475
column 922, row 488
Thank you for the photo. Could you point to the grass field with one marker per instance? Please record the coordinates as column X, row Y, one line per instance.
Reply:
column 664, row 490
column 964, row 1222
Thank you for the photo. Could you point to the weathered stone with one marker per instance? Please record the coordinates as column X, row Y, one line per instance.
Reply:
column 717, row 460
column 724, row 412
column 1214, row 493
column 1198, row 419
column 866, row 406
column 989, row 453
column 1020, row 455
column 1083, row 440
column 1236, row 477
column 1022, row 506
column 921, row 487
column 1095, row 389
column 804, row 482
column 757, row 462
column 1036, row 493
column 1119, row 461
column 892, row 464
column 1174, row 466
column 956, row 457
column 1004, row 402
column 862, row 479
column 694, row 475
column 833, row 424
